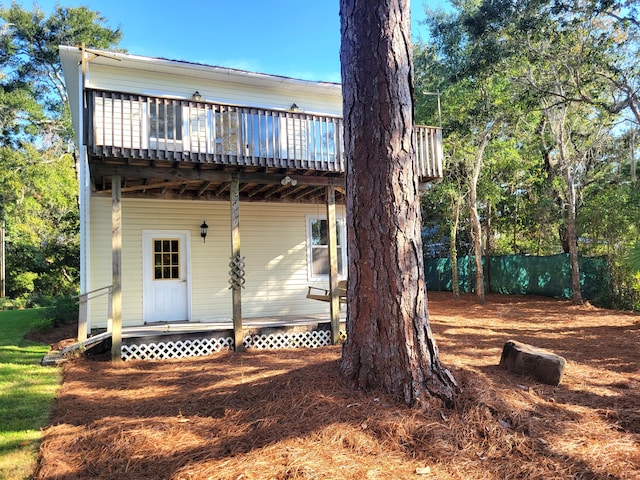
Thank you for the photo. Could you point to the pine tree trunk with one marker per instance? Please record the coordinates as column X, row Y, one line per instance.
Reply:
column 389, row 342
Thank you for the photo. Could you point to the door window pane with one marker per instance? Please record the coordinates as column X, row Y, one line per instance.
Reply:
column 166, row 256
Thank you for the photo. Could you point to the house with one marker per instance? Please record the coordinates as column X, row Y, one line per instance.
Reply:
column 207, row 194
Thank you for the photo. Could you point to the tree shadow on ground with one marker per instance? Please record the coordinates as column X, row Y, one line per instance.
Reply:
column 281, row 414
column 217, row 414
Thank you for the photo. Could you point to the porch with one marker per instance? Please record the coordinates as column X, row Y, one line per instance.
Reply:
column 171, row 340
column 189, row 148
column 178, row 340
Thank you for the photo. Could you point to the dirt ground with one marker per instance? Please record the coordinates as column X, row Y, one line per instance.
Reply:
column 286, row 414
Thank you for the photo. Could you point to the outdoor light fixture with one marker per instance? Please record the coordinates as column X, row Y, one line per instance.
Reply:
column 203, row 231
column 196, row 96
column 288, row 180
column 294, row 107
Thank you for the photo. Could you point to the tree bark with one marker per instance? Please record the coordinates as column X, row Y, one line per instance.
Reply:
column 389, row 341
column 476, row 229
column 572, row 236
column 453, row 249
column 473, row 212
column 487, row 251
column 557, row 116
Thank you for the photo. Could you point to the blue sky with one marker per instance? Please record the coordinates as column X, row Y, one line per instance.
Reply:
column 295, row 38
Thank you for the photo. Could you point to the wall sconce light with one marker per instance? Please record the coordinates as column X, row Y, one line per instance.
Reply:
column 294, row 107
column 203, row 231
column 196, row 96
column 289, row 181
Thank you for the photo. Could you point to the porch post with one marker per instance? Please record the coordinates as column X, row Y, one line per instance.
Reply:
column 333, row 265
column 116, row 268
column 82, row 317
column 237, row 263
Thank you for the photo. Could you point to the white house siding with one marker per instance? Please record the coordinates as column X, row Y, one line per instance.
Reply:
column 273, row 240
column 120, row 123
column 268, row 94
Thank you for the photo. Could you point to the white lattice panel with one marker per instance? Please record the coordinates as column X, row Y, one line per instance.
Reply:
column 179, row 349
column 289, row 340
column 204, row 346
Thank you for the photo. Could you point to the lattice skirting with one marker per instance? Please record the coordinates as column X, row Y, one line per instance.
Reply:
column 179, row 349
column 317, row 338
column 205, row 346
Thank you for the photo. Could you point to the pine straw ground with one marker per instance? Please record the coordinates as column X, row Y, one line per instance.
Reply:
column 286, row 414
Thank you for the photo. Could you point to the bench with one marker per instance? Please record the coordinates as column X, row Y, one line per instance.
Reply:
column 324, row 295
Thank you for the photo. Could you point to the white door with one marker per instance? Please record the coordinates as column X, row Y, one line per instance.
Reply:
column 166, row 286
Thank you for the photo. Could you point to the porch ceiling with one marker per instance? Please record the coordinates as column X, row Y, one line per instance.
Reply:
column 199, row 181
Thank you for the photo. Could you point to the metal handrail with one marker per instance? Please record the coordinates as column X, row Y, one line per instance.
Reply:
column 83, row 301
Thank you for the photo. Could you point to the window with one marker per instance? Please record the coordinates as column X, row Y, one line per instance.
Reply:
column 165, row 120
column 227, row 131
column 318, row 247
column 294, row 138
column 166, row 259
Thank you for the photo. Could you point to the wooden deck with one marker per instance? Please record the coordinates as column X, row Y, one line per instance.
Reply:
column 250, row 325
column 166, row 340
column 185, row 148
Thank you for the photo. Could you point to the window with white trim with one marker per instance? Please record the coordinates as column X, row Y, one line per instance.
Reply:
column 165, row 120
column 318, row 247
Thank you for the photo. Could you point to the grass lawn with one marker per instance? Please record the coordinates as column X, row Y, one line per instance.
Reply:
column 27, row 392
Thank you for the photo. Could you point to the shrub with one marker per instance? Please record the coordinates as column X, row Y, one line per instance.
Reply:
column 621, row 289
column 62, row 311
column 42, row 325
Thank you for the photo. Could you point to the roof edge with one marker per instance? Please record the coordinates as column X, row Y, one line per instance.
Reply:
column 160, row 64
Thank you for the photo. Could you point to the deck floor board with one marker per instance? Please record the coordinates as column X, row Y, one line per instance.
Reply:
column 176, row 328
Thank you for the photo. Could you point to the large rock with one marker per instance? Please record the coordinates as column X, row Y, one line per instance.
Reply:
column 545, row 366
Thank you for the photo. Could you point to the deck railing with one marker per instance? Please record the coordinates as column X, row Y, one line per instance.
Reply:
column 142, row 126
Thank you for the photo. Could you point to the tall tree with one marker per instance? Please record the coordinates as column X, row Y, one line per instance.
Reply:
column 389, row 341
column 561, row 66
column 37, row 181
column 573, row 71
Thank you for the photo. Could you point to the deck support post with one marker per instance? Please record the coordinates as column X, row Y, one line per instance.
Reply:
column 116, row 268
column 83, row 334
column 237, row 263
column 333, row 265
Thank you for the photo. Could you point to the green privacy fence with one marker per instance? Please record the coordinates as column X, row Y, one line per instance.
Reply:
column 521, row 274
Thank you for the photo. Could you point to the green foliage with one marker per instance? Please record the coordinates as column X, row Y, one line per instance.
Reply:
column 42, row 325
column 561, row 80
column 32, row 48
column 61, row 311
column 621, row 291
column 38, row 185
column 633, row 259
column 24, row 283
column 27, row 393
column 41, row 222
